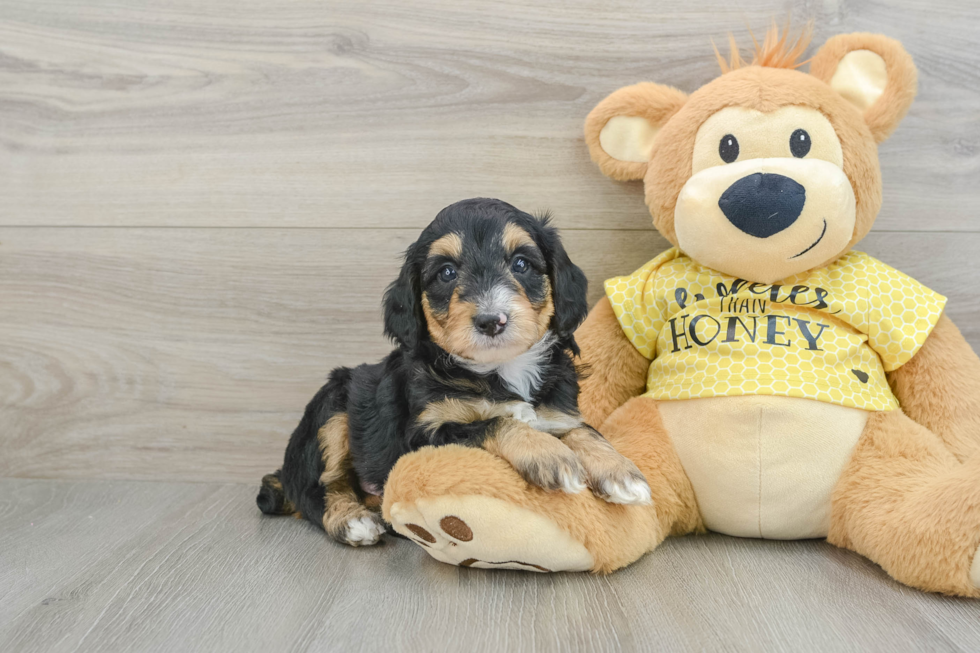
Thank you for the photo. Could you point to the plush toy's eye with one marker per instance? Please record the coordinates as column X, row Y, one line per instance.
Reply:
column 447, row 273
column 520, row 265
column 799, row 143
column 728, row 148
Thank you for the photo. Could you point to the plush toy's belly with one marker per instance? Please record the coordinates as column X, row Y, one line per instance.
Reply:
column 763, row 466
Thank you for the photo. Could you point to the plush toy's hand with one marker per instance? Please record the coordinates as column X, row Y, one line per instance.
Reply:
column 617, row 371
column 938, row 389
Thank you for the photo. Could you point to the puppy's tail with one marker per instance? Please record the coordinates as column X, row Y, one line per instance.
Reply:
column 272, row 498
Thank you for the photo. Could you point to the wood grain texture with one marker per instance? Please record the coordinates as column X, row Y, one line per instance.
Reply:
column 200, row 205
column 370, row 114
column 188, row 354
column 194, row 567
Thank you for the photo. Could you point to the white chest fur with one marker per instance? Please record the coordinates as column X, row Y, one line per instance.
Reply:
column 763, row 466
column 521, row 374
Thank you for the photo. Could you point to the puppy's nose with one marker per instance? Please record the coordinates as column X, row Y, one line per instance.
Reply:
column 490, row 324
column 763, row 204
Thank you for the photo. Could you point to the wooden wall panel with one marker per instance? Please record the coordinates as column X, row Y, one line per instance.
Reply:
column 377, row 114
column 188, row 354
column 201, row 203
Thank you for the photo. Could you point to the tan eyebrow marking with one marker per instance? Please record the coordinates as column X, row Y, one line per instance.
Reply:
column 450, row 245
column 515, row 237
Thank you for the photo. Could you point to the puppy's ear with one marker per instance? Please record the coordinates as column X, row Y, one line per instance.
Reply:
column 569, row 286
column 402, row 304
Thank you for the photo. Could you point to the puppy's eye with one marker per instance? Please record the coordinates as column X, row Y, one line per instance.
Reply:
column 728, row 148
column 520, row 265
column 447, row 273
column 799, row 143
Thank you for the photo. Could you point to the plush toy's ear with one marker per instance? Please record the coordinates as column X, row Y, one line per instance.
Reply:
column 621, row 129
column 872, row 72
column 404, row 321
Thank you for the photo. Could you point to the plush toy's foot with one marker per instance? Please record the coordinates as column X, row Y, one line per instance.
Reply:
column 480, row 531
column 975, row 569
column 908, row 504
column 468, row 507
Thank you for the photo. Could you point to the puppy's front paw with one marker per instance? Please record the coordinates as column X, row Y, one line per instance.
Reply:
column 629, row 489
column 612, row 476
column 541, row 459
column 357, row 528
column 522, row 412
column 553, row 470
column 365, row 530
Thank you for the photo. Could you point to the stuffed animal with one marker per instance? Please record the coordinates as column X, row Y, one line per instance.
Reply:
column 769, row 380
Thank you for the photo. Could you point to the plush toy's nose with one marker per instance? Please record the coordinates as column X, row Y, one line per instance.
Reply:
column 763, row 204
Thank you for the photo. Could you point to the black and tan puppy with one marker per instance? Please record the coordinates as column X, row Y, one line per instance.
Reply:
column 482, row 314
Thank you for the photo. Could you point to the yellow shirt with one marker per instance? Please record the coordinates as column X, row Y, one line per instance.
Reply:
column 828, row 335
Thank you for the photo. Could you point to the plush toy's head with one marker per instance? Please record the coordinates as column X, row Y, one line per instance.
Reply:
column 766, row 171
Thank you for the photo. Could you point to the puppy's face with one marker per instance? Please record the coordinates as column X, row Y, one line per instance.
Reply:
column 485, row 281
column 486, row 294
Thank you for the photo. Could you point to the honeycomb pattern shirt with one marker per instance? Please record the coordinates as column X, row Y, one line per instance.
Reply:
column 829, row 334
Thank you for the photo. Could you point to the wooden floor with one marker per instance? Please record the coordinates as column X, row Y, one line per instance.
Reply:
column 148, row 566
column 200, row 205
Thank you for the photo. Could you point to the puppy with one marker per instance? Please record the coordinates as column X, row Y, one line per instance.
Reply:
column 482, row 314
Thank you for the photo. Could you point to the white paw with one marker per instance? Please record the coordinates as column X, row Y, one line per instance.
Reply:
column 364, row 531
column 631, row 491
column 522, row 412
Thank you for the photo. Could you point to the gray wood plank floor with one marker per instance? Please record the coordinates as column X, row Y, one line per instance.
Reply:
column 146, row 566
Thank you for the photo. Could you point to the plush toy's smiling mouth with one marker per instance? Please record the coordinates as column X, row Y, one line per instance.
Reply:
column 815, row 243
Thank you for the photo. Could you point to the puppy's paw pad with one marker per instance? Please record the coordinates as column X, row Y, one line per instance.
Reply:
column 630, row 491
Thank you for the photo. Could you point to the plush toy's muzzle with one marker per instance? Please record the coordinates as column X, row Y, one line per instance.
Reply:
column 766, row 219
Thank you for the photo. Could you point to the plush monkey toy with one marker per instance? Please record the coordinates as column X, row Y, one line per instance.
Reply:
column 769, row 380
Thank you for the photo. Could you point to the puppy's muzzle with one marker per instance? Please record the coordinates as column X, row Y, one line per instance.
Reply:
column 490, row 324
column 763, row 204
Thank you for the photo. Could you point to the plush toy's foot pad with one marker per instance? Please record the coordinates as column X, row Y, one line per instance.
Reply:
column 483, row 532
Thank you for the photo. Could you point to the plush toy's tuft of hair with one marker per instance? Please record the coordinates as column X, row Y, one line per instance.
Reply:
column 778, row 50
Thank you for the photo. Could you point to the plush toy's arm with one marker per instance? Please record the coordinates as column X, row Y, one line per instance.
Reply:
column 616, row 371
column 940, row 388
